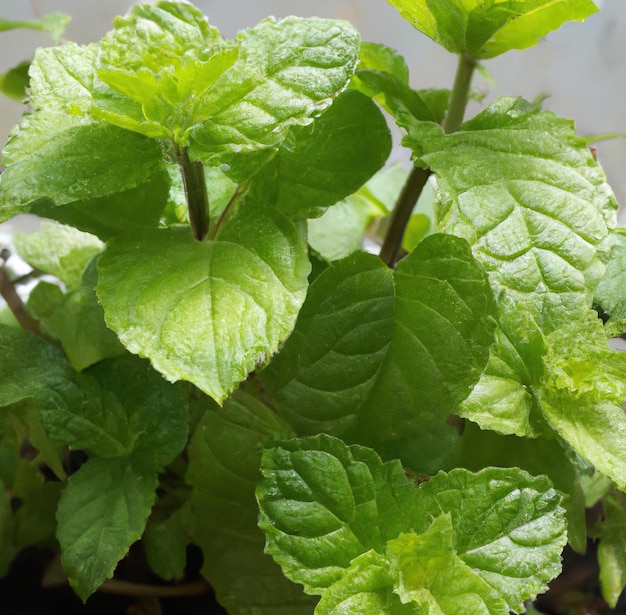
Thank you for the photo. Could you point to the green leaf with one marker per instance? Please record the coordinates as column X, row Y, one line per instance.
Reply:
column 412, row 341
column 536, row 456
column 369, row 532
column 28, row 365
column 287, row 73
column 340, row 230
column 14, row 83
column 165, row 542
column 59, row 250
column 311, row 165
column 505, row 398
column 102, row 511
column 611, row 556
column 84, row 166
column 610, row 294
column 58, row 313
column 53, row 24
column 7, row 550
column 60, row 86
column 378, row 57
column 485, row 30
column 206, row 312
column 582, row 399
column 156, row 62
column 157, row 411
column 224, row 458
column 536, row 212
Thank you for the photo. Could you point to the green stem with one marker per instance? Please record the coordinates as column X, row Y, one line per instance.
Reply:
column 391, row 248
column 460, row 93
column 392, row 244
column 195, row 190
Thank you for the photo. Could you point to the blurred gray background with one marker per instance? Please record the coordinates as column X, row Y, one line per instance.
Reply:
column 581, row 67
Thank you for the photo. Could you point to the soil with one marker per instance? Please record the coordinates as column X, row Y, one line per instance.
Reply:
column 575, row 592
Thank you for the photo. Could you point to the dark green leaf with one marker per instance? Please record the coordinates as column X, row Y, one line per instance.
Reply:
column 412, row 342
column 325, row 162
column 223, row 469
column 102, row 511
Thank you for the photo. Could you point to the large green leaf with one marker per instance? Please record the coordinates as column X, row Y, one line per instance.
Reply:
column 357, row 532
column 206, row 312
column 412, row 341
column 232, row 101
column 525, row 191
column 224, row 458
column 102, row 511
column 487, row 29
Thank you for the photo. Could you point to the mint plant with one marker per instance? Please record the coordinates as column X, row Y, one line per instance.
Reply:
column 213, row 358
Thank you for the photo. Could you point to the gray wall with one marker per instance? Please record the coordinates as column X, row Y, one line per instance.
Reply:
column 582, row 67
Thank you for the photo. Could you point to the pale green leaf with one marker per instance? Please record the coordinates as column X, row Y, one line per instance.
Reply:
column 338, row 232
column 287, row 73
column 156, row 62
column 53, row 24
column 223, row 470
column 485, row 30
column 536, row 211
column 582, row 398
column 505, row 399
column 59, row 250
column 60, row 93
column 102, row 512
column 508, row 527
column 433, row 576
column 206, row 312
column 378, row 57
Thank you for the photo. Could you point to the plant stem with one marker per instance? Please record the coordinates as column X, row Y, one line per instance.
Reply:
column 195, row 191
column 16, row 305
column 418, row 177
column 390, row 250
column 460, row 93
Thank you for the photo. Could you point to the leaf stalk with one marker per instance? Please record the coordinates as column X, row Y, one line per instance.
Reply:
column 192, row 172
